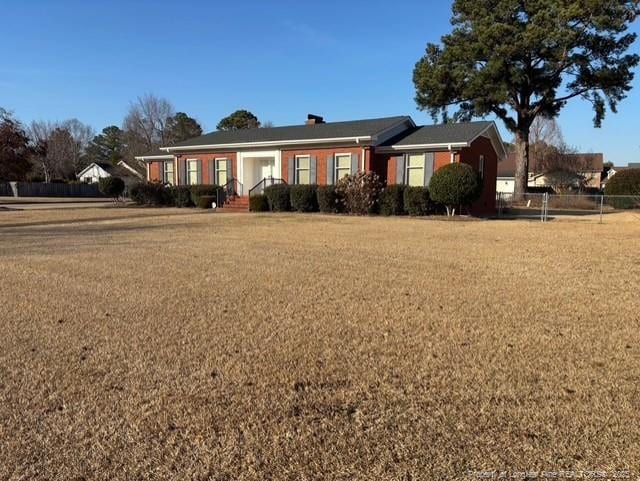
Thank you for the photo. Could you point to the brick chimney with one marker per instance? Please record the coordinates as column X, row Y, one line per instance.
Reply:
column 314, row 119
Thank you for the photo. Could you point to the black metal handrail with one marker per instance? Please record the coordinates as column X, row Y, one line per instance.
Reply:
column 266, row 182
column 230, row 188
column 230, row 191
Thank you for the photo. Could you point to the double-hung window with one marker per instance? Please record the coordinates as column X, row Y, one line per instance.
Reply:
column 343, row 165
column 192, row 171
column 167, row 173
column 415, row 169
column 303, row 167
column 221, row 172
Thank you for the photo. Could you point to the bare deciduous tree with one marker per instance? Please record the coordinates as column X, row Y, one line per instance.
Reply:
column 145, row 124
column 40, row 132
column 81, row 134
column 545, row 132
column 564, row 169
column 59, row 147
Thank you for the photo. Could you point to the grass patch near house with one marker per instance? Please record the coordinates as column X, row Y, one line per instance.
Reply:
column 164, row 344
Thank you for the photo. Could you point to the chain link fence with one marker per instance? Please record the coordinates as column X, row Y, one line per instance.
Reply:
column 545, row 206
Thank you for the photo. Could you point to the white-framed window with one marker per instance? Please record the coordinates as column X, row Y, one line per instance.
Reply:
column 222, row 176
column 168, row 172
column 303, row 169
column 415, row 169
column 481, row 166
column 343, row 165
column 192, row 171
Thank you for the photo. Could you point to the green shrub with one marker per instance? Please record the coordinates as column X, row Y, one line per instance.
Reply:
column 258, row 203
column 209, row 190
column 359, row 192
column 278, row 197
column 204, row 201
column 416, row 201
column 180, row 196
column 455, row 185
column 304, row 198
column 111, row 186
column 328, row 199
column 392, row 200
column 149, row 193
column 625, row 182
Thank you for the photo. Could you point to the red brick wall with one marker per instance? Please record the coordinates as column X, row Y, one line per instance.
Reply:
column 386, row 163
column 205, row 157
column 321, row 160
column 155, row 172
column 471, row 155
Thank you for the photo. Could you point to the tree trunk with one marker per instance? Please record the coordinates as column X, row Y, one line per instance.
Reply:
column 522, row 162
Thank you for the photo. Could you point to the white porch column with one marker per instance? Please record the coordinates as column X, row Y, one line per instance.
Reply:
column 278, row 165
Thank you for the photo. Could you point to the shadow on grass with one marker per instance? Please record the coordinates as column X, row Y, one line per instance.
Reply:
column 36, row 241
column 96, row 219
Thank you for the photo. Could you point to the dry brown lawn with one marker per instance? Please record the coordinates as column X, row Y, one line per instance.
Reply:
column 162, row 344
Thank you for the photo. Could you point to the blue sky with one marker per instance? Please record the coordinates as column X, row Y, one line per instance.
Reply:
column 279, row 59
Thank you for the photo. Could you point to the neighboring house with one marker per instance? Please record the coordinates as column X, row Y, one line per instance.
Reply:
column 615, row 169
column 590, row 171
column 320, row 153
column 100, row 170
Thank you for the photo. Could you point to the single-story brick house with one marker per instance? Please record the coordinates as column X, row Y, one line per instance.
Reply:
column 319, row 152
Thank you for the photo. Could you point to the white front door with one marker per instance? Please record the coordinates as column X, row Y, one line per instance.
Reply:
column 267, row 168
column 255, row 166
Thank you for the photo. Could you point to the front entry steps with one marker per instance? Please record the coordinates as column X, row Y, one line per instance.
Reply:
column 236, row 204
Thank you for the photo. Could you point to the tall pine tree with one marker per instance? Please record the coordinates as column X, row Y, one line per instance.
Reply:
column 519, row 60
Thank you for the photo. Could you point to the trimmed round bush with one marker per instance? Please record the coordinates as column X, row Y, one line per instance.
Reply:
column 304, row 198
column 278, row 197
column 205, row 201
column 258, row 203
column 180, row 196
column 210, row 190
column 392, row 200
column 149, row 193
column 328, row 199
column 416, row 201
column 111, row 186
column 455, row 185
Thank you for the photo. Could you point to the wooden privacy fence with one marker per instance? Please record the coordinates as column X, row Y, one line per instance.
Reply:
column 42, row 189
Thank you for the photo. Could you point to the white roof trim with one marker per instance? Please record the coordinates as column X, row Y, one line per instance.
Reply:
column 268, row 143
column 91, row 165
column 496, row 132
column 153, row 157
column 400, row 148
column 381, row 134
column 123, row 164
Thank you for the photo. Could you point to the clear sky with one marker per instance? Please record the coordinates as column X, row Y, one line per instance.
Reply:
column 280, row 59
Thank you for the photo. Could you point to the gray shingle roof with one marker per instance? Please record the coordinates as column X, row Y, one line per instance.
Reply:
column 329, row 130
column 115, row 170
column 440, row 134
column 156, row 152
